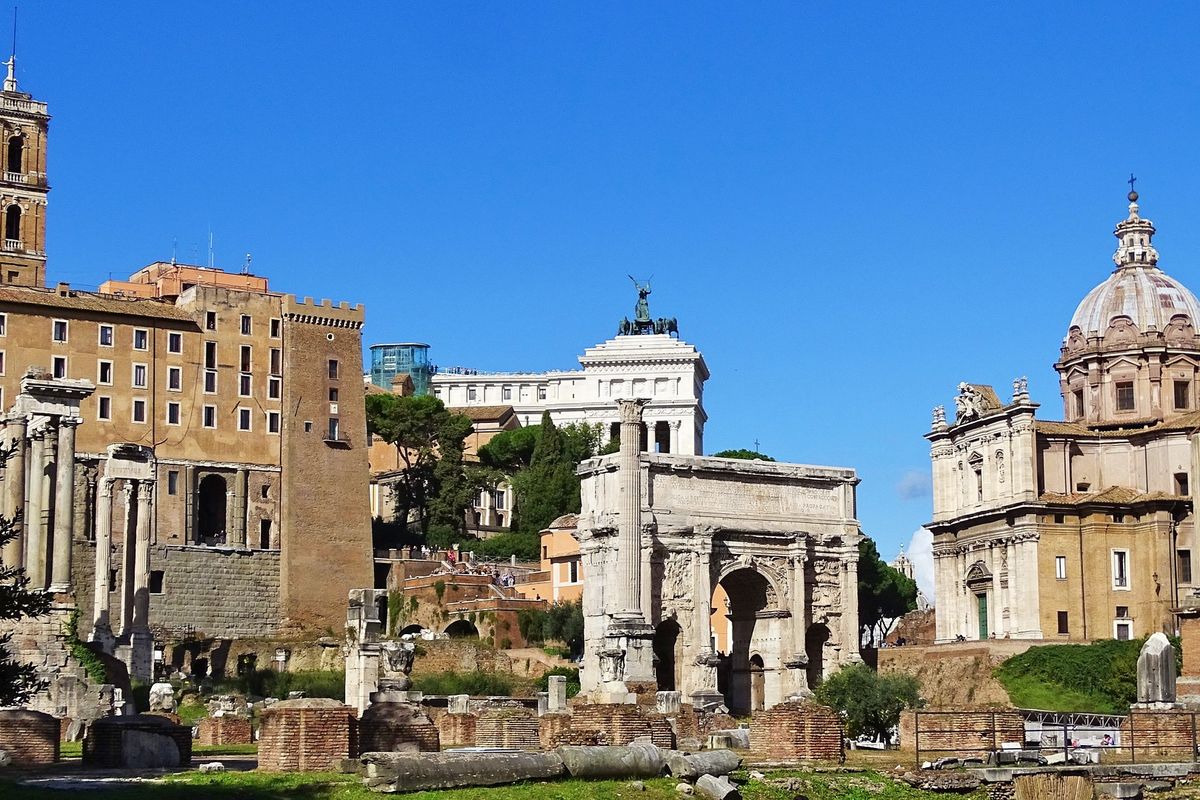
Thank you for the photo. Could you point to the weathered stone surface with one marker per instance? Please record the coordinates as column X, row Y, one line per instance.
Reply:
column 631, row 761
column 212, row 766
column 669, row 703
column 391, row 726
column 737, row 737
column 709, row 762
column 716, row 788
column 5, row 759
column 141, row 749
column 108, row 743
column 942, row 781
column 458, row 704
column 556, row 699
column 390, row 772
column 1156, row 670
column 685, row 789
column 162, row 697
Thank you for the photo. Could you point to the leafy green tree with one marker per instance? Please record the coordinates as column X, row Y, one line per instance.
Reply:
column 884, row 593
column 749, row 455
column 561, row 622
column 18, row 681
column 510, row 450
column 869, row 702
column 425, row 435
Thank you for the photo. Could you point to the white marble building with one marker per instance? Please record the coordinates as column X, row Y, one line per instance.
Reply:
column 667, row 371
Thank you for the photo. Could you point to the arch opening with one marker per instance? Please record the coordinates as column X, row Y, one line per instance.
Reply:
column 814, row 647
column 16, row 149
column 12, row 223
column 462, row 629
column 668, row 655
column 747, row 593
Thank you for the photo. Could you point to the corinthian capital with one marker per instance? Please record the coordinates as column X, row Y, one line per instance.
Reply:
column 631, row 409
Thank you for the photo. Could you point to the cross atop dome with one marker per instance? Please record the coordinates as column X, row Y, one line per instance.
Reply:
column 1134, row 236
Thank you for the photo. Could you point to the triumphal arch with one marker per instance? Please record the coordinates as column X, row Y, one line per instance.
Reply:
column 733, row 582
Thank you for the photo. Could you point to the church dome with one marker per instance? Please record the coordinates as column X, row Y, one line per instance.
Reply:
column 1137, row 290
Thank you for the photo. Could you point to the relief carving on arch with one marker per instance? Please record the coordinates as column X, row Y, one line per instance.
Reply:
column 1121, row 330
column 676, row 580
column 1179, row 330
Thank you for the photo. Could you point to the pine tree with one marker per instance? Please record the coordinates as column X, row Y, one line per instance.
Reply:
column 18, row 681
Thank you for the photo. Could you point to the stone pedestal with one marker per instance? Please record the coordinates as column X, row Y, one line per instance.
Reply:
column 387, row 727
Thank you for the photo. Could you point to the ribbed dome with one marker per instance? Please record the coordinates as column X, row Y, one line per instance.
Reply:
column 1138, row 289
column 1145, row 294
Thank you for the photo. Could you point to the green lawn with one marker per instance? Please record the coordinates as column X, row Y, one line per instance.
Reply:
column 75, row 750
column 330, row 786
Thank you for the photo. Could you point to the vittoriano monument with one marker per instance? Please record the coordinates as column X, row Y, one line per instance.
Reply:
column 642, row 323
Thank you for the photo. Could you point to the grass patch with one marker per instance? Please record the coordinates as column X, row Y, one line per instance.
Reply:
column 269, row 683
column 330, row 786
column 474, row 683
column 75, row 750
column 1100, row 677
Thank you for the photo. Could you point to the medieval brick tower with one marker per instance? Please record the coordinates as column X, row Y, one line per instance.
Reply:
column 24, row 124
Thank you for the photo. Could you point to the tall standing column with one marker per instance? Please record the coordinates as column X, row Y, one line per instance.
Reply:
column 35, row 537
column 797, row 664
column 629, row 527
column 237, row 534
column 64, row 505
column 704, row 675
column 128, row 549
column 101, row 625
column 142, row 644
column 14, row 485
column 674, row 435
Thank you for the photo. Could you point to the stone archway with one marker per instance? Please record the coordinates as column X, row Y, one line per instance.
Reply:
column 749, row 593
column 667, row 655
column 211, row 496
column 410, row 629
column 814, row 647
column 462, row 629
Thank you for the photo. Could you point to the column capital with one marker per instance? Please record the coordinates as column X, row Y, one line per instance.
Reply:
column 631, row 410
column 676, row 423
column 127, row 489
column 106, row 486
column 69, row 422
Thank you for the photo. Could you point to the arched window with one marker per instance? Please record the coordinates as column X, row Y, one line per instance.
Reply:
column 12, row 223
column 16, row 149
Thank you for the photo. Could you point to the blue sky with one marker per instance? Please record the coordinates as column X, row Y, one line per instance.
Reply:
column 849, row 207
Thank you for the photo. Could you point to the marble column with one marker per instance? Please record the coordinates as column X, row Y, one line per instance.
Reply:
column 629, row 526
column 14, row 486
column 64, row 505
column 798, row 663
column 704, row 673
column 35, row 537
column 237, row 532
column 127, row 557
column 674, row 435
column 141, row 662
column 101, row 625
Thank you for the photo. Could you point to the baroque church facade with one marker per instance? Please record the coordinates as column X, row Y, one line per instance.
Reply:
column 1078, row 529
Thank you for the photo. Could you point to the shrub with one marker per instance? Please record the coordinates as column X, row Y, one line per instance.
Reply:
column 869, row 702
column 269, row 683
column 473, row 683
column 561, row 622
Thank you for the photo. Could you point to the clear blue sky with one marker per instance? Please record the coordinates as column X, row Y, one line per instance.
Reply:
column 849, row 208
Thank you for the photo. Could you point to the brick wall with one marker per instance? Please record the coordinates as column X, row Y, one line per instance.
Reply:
column 224, row 730
column 457, row 730
column 512, row 727
column 1158, row 735
column 384, row 727
column 551, row 728
column 621, row 724
column 307, row 735
column 29, row 737
column 798, row 731
column 1189, row 634
column 960, row 731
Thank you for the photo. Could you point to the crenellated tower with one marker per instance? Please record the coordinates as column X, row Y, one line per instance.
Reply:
column 24, row 123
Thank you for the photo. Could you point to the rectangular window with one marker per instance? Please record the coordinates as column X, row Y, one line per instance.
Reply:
column 1, row 362
column 1125, row 396
column 156, row 581
column 246, row 358
column 243, row 385
column 498, row 499
column 1185, row 566
column 141, row 339
column 273, row 388
column 59, row 330
column 1060, row 567
column 104, row 373
column 574, row 562
column 139, row 410
column 470, row 392
column 1181, row 484
column 276, row 361
column 333, row 395
column 275, row 329
column 334, row 429
column 172, row 481
column 1059, row 519
column 1122, row 612
column 507, row 393
column 172, row 413
column 333, row 369
column 1181, row 394
column 106, row 335
column 3, row 324
column 272, row 422
column 1062, row 622
column 243, row 419
column 1077, row 401
column 210, row 355
column 541, row 393
column 1120, row 569
column 245, row 324
column 139, row 376
column 174, row 342
column 210, row 320
column 104, row 408
column 210, row 381
column 60, row 366
column 175, row 379
column 209, row 417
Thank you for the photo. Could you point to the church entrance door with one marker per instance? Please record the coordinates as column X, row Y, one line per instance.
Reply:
column 981, row 601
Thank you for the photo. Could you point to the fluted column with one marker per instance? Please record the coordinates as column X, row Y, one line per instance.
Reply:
column 64, row 505
column 14, row 480
column 629, row 527
column 101, row 625
column 141, row 565
column 35, row 532
column 675, row 424
column 127, row 556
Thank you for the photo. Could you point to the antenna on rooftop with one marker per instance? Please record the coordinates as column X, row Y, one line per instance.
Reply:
column 246, row 266
column 210, row 248
column 174, row 250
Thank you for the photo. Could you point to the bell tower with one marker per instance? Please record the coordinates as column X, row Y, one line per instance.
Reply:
column 24, row 123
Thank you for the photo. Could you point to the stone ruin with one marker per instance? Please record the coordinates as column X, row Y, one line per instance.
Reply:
column 1156, row 674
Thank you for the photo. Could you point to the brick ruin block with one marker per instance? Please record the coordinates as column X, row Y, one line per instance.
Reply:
column 622, row 723
column 457, row 730
column 798, row 732
column 551, row 729
column 31, row 738
column 960, row 731
column 1162, row 735
column 386, row 726
column 225, row 729
column 509, row 726
column 306, row 735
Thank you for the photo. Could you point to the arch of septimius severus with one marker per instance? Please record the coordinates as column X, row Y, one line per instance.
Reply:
column 659, row 533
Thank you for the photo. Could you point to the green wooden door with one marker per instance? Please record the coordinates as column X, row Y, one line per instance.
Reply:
column 983, row 625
